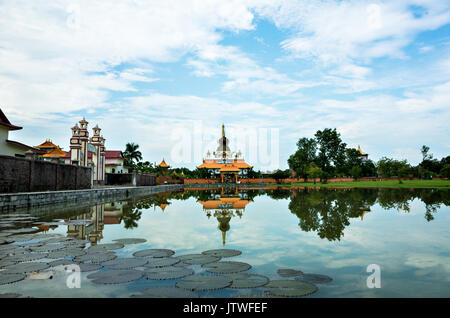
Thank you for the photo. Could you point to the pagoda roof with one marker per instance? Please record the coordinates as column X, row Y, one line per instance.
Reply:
column 163, row 164
column 361, row 152
column 229, row 168
column 55, row 153
column 235, row 203
column 213, row 164
column 6, row 123
column 47, row 145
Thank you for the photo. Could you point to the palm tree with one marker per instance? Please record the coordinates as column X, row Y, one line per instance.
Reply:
column 132, row 153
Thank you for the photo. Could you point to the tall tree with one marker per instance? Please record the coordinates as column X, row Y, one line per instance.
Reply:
column 303, row 157
column 331, row 157
column 132, row 153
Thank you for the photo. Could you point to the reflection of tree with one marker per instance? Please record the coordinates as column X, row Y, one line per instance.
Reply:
column 131, row 215
column 328, row 211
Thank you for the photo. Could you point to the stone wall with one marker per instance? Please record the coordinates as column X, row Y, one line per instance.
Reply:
column 129, row 179
column 24, row 175
column 19, row 201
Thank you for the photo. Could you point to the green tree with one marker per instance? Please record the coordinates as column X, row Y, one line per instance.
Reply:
column 445, row 171
column 132, row 154
column 315, row 172
column 355, row 172
column 303, row 157
column 281, row 174
column 331, row 156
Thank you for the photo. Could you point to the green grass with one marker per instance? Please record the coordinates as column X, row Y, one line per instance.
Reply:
column 376, row 184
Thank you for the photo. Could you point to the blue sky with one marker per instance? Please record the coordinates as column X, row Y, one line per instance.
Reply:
column 155, row 72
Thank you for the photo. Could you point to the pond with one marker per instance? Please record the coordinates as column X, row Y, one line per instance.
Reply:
column 255, row 242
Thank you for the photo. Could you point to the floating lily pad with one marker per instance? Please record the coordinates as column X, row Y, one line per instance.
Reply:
column 161, row 262
column 128, row 241
column 115, row 276
column 67, row 252
column 289, row 272
column 8, row 278
column 204, row 282
column 166, row 292
column 46, row 248
column 89, row 267
column 222, row 252
column 170, row 272
column 314, row 278
column 291, row 288
column 46, row 235
column 125, row 263
column 227, row 267
column 26, row 257
column 95, row 257
column 245, row 280
column 257, row 296
column 198, row 259
column 21, row 237
column 5, row 263
column 23, row 230
column 107, row 246
column 10, row 295
column 25, row 268
column 153, row 252
column 60, row 262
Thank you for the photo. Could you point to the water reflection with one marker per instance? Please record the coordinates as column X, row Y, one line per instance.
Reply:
column 324, row 211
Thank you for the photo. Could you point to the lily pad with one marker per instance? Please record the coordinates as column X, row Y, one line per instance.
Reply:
column 8, row 278
column 153, row 252
column 128, row 241
column 314, row 278
column 10, row 295
column 115, row 276
column 291, row 288
column 198, row 259
column 222, row 252
column 227, row 267
column 289, row 272
column 60, row 262
column 26, row 257
column 25, row 268
column 204, row 282
column 23, row 230
column 67, row 252
column 125, row 263
column 95, row 257
column 5, row 263
column 170, row 272
column 245, row 280
column 161, row 262
column 166, row 292
column 89, row 267
column 46, row 248
column 106, row 246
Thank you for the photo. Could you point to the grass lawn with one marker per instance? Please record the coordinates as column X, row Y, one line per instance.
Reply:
column 376, row 184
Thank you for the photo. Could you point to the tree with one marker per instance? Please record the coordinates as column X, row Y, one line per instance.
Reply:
column 352, row 159
column 355, row 172
column 281, row 174
column 132, row 153
column 331, row 156
column 445, row 171
column 303, row 157
column 425, row 156
column 315, row 172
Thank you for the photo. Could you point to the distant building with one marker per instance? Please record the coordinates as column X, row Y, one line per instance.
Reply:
column 115, row 162
column 364, row 156
column 48, row 151
column 10, row 147
column 223, row 164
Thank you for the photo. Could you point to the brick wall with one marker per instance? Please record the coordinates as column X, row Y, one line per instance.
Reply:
column 23, row 175
column 135, row 179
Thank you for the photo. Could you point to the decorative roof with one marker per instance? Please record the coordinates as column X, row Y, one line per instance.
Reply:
column 163, row 164
column 229, row 203
column 361, row 152
column 6, row 123
column 213, row 164
column 229, row 168
column 55, row 153
column 113, row 154
column 47, row 145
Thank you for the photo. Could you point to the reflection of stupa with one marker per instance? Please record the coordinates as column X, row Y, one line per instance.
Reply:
column 92, row 232
column 223, row 208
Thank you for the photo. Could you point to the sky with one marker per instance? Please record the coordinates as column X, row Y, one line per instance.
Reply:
column 167, row 74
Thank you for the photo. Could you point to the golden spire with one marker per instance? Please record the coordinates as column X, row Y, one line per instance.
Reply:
column 223, row 130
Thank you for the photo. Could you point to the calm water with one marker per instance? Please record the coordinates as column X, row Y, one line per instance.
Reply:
column 331, row 232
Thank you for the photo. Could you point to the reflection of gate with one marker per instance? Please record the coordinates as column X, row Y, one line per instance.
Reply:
column 229, row 178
